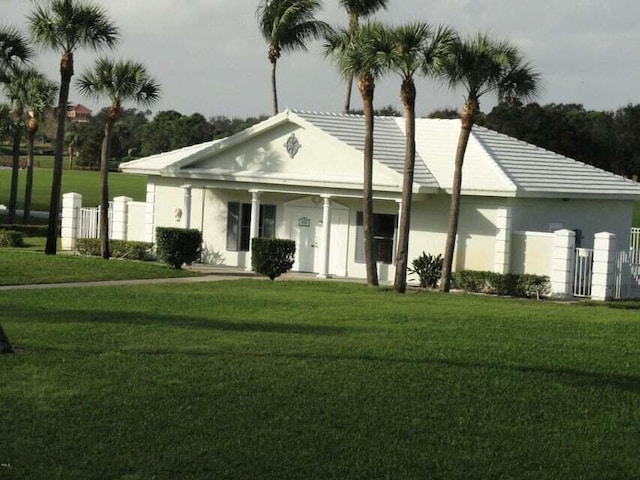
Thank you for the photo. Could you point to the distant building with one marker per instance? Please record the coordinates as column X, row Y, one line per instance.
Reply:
column 78, row 113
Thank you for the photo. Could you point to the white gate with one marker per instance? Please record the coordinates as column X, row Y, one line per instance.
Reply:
column 626, row 283
column 583, row 271
column 90, row 222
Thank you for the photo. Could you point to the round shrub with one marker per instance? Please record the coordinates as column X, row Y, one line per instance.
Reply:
column 178, row 246
column 272, row 256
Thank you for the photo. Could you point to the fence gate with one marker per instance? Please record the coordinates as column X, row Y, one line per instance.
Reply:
column 627, row 274
column 90, row 222
column 583, row 270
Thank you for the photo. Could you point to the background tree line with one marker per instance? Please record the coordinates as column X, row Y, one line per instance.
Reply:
column 136, row 134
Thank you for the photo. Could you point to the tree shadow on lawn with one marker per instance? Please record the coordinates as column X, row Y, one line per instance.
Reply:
column 180, row 321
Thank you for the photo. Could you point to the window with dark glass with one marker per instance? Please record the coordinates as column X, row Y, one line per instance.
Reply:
column 384, row 232
column 239, row 225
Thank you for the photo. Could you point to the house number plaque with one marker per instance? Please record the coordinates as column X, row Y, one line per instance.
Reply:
column 304, row 222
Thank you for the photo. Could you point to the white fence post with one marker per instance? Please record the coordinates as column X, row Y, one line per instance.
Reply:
column 71, row 205
column 604, row 255
column 502, row 259
column 120, row 217
column 150, row 233
column 564, row 242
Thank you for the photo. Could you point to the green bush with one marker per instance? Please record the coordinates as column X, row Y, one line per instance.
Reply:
column 515, row 285
column 428, row 269
column 178, row 246
column 27, row 230
column 11, row 238
column 272, row 256
column 118, row 249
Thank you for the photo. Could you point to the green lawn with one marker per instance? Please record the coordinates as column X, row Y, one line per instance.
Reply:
column 85, row 182
column 293, row 380
column 30, row 265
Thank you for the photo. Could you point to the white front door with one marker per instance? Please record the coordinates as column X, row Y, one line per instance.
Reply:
column 306, row 230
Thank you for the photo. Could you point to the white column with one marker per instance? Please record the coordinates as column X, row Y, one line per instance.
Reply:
column 120, row 217
column 254, row 228
column 186, row 214
column 71, row 206
column 150, row 233
column 326, row 236
column 604, row 256
column 502, row 258
column 564, row 243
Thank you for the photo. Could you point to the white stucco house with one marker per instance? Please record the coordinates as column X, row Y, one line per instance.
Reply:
column 298, row 175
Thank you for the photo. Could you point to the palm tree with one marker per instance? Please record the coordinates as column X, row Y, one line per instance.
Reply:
column 480, row 65
column 359, row 54
column 119, row 81
column 14, row 87
column 39, row 95
column 287, row 25
column 67, row 25
column 356, row 10
column 14, row 51
column 416, row 48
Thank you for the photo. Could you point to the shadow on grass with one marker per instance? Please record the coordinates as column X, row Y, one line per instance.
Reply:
column 182, row 321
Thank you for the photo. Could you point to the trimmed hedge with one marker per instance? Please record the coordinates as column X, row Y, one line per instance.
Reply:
column 27, row 230
column 117, row 248
column 178, row 246
column 515, row 285
column 11, row 238
column 272, row 256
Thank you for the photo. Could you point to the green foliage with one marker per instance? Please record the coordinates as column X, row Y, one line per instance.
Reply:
column 129, row 250
column 178, row 246
column 27, row 230
column 272, row 256
column 515, row 285
column 11, row 238
column 427, row 268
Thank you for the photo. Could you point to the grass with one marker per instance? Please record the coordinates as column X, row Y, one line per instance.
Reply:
column 80, row 181
column 290, row 380
column 29, row 265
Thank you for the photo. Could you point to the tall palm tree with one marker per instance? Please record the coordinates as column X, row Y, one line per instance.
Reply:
column 16, row 88
column 480, row 65
column 357, row 10
column 39, row 96
column 360, row 54
column 416, row 48
column 67, row 25
column 287, row 25
column 14, row 51
column 119, row 81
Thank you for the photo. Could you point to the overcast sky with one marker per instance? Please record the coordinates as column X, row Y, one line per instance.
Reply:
column 210, row 58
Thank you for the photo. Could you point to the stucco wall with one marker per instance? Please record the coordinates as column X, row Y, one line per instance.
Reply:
column 590, row 216
column 532, row 252
column 136, row 216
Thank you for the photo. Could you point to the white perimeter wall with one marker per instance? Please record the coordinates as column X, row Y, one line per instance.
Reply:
column 136, row 218
column 590, row 216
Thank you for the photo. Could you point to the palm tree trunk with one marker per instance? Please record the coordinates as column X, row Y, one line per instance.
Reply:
column 469, row 113
column 15, row 172
column 104, row 190
column 347, row 99
column 66, row 72
column 408, row 95
column 274, row 89
column 366, row 86
column 5, row 345
column 31, row 136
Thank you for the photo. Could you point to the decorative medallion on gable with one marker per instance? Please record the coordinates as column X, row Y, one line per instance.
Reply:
column 292, row 145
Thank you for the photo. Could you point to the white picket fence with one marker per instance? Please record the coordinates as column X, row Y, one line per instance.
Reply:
column 583, row 272
column 90, row 222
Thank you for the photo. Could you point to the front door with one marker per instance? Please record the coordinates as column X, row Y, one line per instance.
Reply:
column 306, row 230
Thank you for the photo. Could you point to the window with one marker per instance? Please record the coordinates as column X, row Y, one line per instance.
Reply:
column 239, row 225
column 384, row 232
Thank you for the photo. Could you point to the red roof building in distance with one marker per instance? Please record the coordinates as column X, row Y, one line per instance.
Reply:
column 78, row 113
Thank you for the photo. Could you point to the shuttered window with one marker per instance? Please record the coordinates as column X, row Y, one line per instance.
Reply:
column 384, row 233
column 239, row 225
